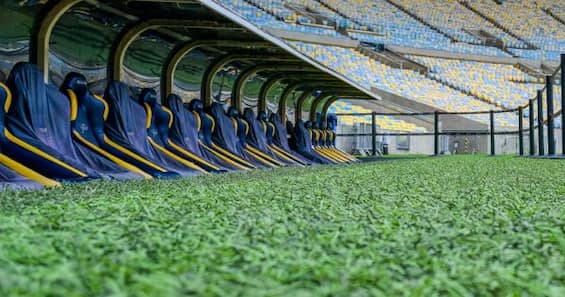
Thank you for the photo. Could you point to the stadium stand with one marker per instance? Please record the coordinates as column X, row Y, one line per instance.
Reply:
column 388, row 123
column 406, row 83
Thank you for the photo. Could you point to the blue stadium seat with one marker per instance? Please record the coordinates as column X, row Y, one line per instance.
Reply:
column 208, row 129
column 183, row 138
column 303, row 142
column 87, row 129
column 37, row 128
column 256, row 138
column 159, row 121
column 126, row 131
column 281, row 140
column 14, row 175
column 226, row 135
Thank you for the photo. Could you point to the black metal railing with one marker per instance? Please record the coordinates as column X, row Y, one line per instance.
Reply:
column 535, row 109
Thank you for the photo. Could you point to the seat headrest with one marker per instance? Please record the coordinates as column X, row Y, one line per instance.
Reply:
column 196, row 105
column 148, row 96
column 289, row 125
column 262, row 116
column 76, row 82
column 308, row 124
column 173, row 100
column 117, row 91
column 332, row 120
column 217, row 108
column 248, row 113
column 233, row 112
column 274, row 117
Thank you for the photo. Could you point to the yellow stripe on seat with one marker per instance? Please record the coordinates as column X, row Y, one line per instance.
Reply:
column 111, row 157
column 260, row 159
column 233, row 156
column 74, row 104
column 276, row 148
column 224, row 158
column 8, row 102
column 193, row 156
column 42, row 154
column 106, row 107
column 175, row 157
column 27, row 172
column 265, row 156
column 133, row 155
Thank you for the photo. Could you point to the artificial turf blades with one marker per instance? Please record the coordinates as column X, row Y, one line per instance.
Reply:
column 461, row 226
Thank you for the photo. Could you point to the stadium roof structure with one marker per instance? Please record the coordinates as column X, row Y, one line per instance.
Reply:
column 205, row 25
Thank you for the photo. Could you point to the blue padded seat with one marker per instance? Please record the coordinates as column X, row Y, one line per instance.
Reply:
column 206, row 131
column 303, row 142
column 126, row 132
column 159, row 121
column 277, row 137
column 87, row 129
column 226, row 136
column 14, row 175
column 183, row 138
column 37, row 128
column 257, row 137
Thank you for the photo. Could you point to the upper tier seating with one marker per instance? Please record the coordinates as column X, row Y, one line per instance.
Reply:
column 502, row 84
column 452, row 17
column 525, row 18
column 396, row 27
column 406, row 83
column 268, row 20
column 388, row 123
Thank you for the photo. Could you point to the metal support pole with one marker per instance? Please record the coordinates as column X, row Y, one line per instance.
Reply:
column 541, row 148
column 521, row 130
column 532, row 130
column 550, row 126
column 492, row 149
column 374, row 133
column 436, row 133
column 562, row 104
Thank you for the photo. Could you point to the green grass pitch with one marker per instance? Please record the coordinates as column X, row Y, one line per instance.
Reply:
column 453, row 226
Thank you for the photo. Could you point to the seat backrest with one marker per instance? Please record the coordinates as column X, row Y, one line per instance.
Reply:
column 257, row 130
column 242, row 126
column 281, row 133
column 185, row 124
column 159, row 119
column 88, row 112
column 302, row 136
column 225, row 132
column 207, row 126
column 39, row 111
column 127, row 120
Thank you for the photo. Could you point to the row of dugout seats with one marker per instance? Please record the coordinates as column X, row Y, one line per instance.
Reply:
column 60, row 135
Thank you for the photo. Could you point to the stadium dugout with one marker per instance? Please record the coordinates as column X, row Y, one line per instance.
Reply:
column 68, row 126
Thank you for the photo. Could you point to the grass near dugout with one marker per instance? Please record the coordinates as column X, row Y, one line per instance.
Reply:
column 460, row 226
